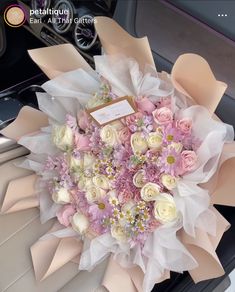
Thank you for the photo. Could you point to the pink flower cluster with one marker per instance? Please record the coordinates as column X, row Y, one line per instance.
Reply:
column 121, row 176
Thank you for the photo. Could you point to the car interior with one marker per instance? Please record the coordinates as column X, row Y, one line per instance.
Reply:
column 173, row 27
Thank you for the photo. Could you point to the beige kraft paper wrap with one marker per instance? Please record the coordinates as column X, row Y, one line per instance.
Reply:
column 192, row 76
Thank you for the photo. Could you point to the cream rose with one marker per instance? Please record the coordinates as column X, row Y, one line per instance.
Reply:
column 80, row 223
column 117, row 125
column 118, row 232
column 62, row 137
column 101, row 181
column 169, row 181
column 62, row 196
column 84, row 182
column 94, row 193
column 165, row 209
column 139, row 179
column 109, row 135
column 138, row 143
column 154, row 140
column 75, row 163
column 88, row 161
column 150, row 191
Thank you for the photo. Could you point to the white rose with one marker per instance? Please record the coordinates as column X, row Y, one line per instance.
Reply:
column 109, row 135
column 118, row 232
column 177, row 146
column 138, row 179
column 75, row 163
column 150, row 191
column 101, row 181
column 154, row 140
column 62, row 137
column 80, row 223
column 169, row 181
column 84, row 182
column 88, row 161
column 117, row 125
column 62, row 196
column 165, row 209
column 93, row 194
column 138, row 143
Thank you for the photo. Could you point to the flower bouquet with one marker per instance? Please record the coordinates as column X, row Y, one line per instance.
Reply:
column 128, row 161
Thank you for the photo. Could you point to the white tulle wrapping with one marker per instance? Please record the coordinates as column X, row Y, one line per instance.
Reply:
column 125, row 78
column 61, row 233
column 39, row 144
column 96, row 250
column 77, row 84
column 162, row 251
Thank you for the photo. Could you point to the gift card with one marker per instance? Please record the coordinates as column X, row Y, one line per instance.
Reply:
column 114, row 110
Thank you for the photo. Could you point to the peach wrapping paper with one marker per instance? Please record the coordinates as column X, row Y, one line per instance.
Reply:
column 192, row 76
column 48, row 255
column 23, row 124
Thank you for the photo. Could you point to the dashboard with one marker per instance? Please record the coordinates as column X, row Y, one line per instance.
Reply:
column 57, row 22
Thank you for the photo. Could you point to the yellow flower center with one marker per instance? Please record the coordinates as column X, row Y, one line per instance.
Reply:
column 170, row 159
column 101, row 206
column 169, row 137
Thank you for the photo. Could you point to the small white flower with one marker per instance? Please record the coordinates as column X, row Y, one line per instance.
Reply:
column 113, row 201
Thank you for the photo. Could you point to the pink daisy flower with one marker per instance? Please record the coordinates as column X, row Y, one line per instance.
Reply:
column 171, row 134
column 169, row 162
column 100, row 210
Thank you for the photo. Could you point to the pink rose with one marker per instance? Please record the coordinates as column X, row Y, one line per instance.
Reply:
column 184, row 125
column 144, row 105
column 83, row 120
column 82, row 142
column 124, row 134
column 64, row 214
column 188, row 160
column 132, row 119
column 163, row 116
